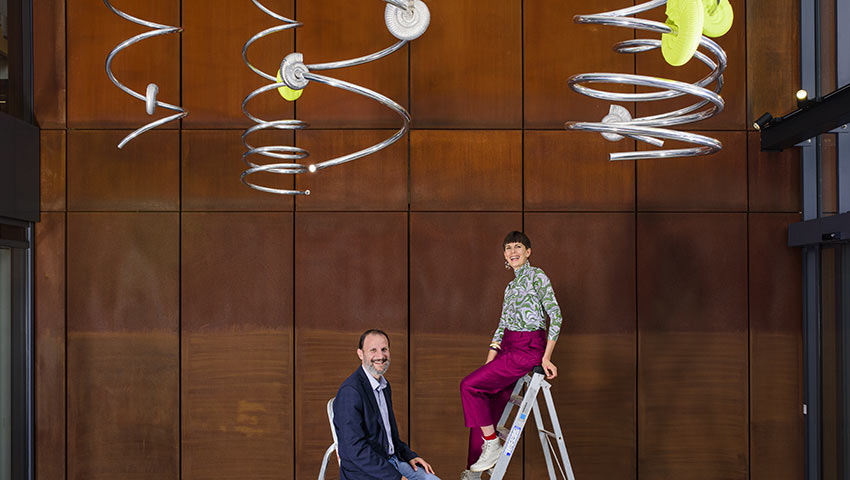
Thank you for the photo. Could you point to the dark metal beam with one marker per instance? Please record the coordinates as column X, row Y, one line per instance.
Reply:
column 19, row 169
column 819, row 116
column 821, row 230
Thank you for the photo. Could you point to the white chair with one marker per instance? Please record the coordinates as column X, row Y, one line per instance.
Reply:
column 332, row 448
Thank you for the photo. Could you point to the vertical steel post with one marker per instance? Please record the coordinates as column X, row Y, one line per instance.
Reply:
column 842, row 358
column 811, row 257
column 842, row 70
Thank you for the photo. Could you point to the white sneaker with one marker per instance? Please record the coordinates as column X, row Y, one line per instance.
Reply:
column 470, row 475
column 489, row 455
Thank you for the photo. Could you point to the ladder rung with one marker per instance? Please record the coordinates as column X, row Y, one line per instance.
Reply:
column 516, row 400
column 547, row 432
column 503, row 432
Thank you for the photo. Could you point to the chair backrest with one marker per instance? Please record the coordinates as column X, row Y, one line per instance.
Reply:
column 333, row 447
column 331, row 421
column 331, row 418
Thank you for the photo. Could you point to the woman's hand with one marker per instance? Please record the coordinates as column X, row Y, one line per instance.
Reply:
column 491, row 355
column 550, row 368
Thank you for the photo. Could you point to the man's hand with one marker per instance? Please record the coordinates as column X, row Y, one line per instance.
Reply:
column 422, row 462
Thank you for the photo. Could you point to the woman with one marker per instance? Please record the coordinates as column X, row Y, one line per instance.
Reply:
column 519, row 344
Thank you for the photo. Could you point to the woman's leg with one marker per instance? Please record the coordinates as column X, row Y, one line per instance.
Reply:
column 497, row 404
column 489, row 388
column 484, row 394
column 480, row 386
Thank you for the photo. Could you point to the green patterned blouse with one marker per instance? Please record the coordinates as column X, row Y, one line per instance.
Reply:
column 528, row 298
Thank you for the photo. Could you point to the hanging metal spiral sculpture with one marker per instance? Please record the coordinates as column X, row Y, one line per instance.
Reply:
column 152, row 90
column 405, row 19
column 618, row 123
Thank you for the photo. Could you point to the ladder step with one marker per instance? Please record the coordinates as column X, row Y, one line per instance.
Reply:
column 516, row 400
column 502, row 432
column 548, row 433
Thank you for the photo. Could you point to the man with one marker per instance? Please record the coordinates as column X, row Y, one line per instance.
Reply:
column 367, row 435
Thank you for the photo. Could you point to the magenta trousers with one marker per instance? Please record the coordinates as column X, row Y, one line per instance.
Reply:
column 486, row 391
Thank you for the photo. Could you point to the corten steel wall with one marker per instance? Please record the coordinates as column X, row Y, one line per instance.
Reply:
column 189, row 327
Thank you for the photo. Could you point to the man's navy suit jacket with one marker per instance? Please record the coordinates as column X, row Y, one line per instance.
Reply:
column 361, row 437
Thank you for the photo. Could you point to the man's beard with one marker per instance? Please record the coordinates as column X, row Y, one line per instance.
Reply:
column 374, row 371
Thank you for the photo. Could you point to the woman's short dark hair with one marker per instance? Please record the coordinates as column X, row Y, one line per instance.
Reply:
column 517, row 237
column 372, row 331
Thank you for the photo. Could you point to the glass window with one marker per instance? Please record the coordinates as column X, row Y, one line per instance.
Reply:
column 835, row 346
column 15, row 59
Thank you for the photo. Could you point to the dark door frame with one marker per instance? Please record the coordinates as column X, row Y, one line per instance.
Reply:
column 18, row 236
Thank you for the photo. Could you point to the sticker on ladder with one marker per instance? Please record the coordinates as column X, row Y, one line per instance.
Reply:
column 512, row 440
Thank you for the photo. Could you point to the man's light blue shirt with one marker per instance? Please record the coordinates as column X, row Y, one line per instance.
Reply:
column 378, row 387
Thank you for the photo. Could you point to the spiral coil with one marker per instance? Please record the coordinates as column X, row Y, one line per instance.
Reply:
column 152, row 90
column 618, row 123
column 405, row 19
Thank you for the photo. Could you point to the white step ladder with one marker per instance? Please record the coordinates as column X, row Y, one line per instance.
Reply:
column 526, row 404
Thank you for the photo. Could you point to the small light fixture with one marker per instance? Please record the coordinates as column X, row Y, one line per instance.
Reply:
column 802, row 98
column 762, row 121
